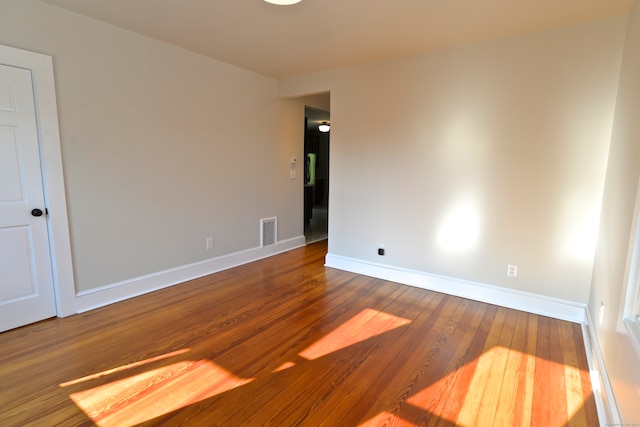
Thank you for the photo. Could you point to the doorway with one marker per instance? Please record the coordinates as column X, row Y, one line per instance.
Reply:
column 316, row 175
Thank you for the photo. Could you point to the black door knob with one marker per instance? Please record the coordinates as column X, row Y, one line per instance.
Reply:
column 36, row 212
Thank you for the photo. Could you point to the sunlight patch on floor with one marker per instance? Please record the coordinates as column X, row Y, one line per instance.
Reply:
column 364, row 325
column 496, row 388
column 124, row 367
column 284, row 366
column 385, row 419
column 494, row 385
column 156, row 392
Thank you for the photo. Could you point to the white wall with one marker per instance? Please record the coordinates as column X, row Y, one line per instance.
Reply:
column 464, row 160
column 161, row 147
column 610, row 267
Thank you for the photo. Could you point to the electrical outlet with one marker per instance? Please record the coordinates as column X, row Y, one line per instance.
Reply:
column 512, row 270
column 601, row 313
column 381, row 249
column 209, row 243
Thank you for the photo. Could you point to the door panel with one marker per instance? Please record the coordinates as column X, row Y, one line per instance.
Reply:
column 26, row 284
column 16, row 263
column 10, row 170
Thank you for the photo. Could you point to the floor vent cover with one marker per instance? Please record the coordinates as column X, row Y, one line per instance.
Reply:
column 268, row 231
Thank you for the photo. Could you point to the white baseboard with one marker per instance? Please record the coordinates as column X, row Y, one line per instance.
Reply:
column 608, row 413
column 120, row 291
column 524, row 301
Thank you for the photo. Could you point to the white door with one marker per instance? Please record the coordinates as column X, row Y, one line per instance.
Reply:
column 26, row 284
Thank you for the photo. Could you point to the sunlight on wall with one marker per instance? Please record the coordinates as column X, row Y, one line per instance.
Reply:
column 364, row 325
column 460, row 229
column 578, row 232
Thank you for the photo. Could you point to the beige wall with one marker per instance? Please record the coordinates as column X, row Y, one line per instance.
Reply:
column 610, row 267
column 161, row 147
column 465, row 160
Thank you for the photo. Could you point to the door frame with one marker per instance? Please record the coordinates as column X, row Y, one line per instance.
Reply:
column 41, row 67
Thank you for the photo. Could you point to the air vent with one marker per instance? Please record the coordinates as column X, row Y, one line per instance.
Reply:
column 268, row 231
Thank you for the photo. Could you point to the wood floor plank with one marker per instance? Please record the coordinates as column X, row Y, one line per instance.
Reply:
column 576, row 414
column 541, row 395
column 466, row 372
column 513, row 382
column 528, row 369
column 497, row 373
column 428, row 405
column 481, row 379
column 287, row 341
column 557, row 405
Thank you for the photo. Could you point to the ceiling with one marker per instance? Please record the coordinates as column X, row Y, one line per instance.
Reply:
column 316, row 35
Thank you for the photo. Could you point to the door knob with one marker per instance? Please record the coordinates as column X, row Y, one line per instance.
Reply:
column 36, row 212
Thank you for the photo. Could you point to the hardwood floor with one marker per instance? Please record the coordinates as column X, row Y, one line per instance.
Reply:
column 285, row 341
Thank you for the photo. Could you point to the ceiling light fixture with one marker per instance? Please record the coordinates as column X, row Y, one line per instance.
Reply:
column 283, row 2
column 324, row 127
